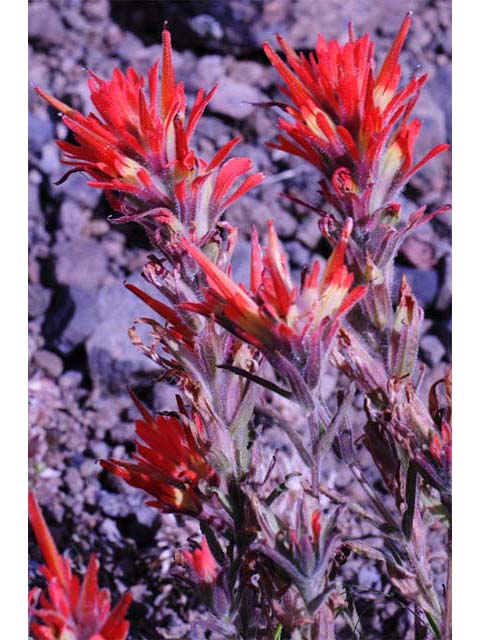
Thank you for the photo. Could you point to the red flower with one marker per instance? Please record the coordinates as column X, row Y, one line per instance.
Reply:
column 138, row 150
column 441, row 446
column 202, row 563
column 171, row 462
column 354, row 127
column 70, row 609
column 275, row 316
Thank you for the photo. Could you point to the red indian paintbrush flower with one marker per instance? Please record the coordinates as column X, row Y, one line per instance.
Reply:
column 350, row 124
column 276, row 317
column 69, row 609
column 202, row 563
column 171, row 462
column 138, row 150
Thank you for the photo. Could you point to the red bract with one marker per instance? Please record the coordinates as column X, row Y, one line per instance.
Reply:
column 69, row 609
column 203, row 565
column 171, row 462
column 441, row 446
column 350, row 124
column 138, row 150
column 275, row 316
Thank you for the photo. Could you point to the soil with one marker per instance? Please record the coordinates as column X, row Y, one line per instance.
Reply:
column 80, row 357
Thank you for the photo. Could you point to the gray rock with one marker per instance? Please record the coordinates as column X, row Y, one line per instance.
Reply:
column 112, row 358
column 73, row 218
column 45, row 23
column 50, row 161
column 74, row 481
column 206, row 26
column 247, row 211
column 109, row 529
column 308, row 232
column 241, row 263
column 285, row 223
column 80, row 321
column 431, row 350
column 209, row 70
column 100, row 450
column 49, row 362
column 444, row 298
column 38, row 300
column 299, row 255
column 77, row 188
column 96, row 9
column 369, row 577
column 70, row 379
column 111, row 505
column 40, row 131
column 81, row 263
column 128, row 47
column 234, row 99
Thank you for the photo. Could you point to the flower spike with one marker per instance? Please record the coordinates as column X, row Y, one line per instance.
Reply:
column 68, row 608
column 274, row 316
column 350, row 124
column 170, row 460
column 141, row 156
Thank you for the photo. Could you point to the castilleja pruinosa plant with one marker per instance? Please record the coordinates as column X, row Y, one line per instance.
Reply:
column 267, row 560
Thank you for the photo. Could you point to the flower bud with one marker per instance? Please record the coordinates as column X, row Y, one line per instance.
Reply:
column 405, row 335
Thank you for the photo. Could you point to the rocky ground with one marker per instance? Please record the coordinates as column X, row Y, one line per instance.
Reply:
column 80, row 357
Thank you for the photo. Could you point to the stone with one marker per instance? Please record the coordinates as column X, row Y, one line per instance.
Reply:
column 246, row 211
column 233, row 99
column 241, row 263
column 308, row 232
column 111, row 505
column 38, row 300
column 81, row 263
column 299, row 255
column 431, row 350
column 73, row 218
column 70, row 379
column 49, row 362
column 209, row 70
column 444, row 298
column 50, row 161
column 112, row 358
column 100, row 450
column 74, row 481
column 109, row 529
column 76, row 187
column 40, row 131
column 206, row 26
column 96, row 9
column 128, row 47
column 45, row 24
column 421, row 254
column 79, row 322
column 369, row 578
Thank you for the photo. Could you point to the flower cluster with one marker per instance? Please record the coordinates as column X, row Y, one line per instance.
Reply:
column 138, row 150
column 170, row 460
column 69, row 609
column 351, row 125
column 286, row 323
